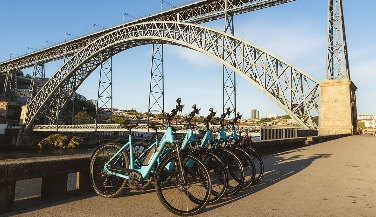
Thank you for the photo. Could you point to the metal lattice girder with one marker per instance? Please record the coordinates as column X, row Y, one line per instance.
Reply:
column 197, row 12
column 337, row 64
column 228, row 76
column 156, row 89
column 37, row 80
column 105, row 86
column 291, row 89
column 10, row 86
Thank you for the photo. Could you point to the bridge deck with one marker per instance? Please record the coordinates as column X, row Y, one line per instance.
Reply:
column 335, row 178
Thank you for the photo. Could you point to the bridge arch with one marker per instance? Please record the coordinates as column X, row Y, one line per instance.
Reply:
column 290, row 88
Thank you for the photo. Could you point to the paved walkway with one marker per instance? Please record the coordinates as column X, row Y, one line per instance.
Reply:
column 335, row 178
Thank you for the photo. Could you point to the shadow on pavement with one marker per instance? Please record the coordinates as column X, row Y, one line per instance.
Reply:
column 277, row 168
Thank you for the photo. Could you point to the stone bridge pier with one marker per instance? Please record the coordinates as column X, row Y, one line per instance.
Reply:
column 337, row 107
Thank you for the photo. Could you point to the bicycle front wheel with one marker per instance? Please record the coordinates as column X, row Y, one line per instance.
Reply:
column 248, row 166
column 183, row 186
column 234, row 168
column 259, row 164
column 218, row 175
column 105, row 184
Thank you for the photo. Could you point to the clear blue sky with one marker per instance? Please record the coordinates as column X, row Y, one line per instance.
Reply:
column 295, row 32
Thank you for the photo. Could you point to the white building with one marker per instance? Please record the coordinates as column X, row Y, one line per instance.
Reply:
column 272, row 116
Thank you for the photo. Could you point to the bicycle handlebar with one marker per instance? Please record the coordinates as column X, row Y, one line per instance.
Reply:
column 192, row 114
column 237, row 117
column 224, row 115
column 209, row 117
column 174, row 112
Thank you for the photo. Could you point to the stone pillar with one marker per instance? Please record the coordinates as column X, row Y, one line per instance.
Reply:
column 7, row 191
column 23, row 115
column 83, row 182
column 337, row 106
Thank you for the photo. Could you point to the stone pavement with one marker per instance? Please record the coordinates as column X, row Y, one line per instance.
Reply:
column 335, row 178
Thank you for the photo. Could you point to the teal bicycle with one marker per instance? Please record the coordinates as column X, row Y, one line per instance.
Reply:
column 233, row 163
column 181, row 180
column 216, row 168
column 246, row 143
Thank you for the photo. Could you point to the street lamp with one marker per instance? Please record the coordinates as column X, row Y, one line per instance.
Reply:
column 127, row 15
column 28, row 48
column 45, row 43
column 10, row 56
column 96, row 25
column 65, row 37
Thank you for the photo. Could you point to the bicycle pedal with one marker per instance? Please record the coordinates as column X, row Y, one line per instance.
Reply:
column 117, row 169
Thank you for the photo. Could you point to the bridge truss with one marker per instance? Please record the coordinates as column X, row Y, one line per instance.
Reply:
column 294, row 91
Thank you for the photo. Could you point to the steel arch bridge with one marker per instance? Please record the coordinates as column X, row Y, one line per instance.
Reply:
column 291, row 89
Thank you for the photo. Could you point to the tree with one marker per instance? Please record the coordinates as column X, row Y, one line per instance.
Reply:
column 17, row 72
column 361, row 125
column 117, row 119
column 80, row 104
column 315, row 120
column 82, row 118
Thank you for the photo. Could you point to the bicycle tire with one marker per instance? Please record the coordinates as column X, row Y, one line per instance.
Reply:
column 187, row 194
column 248, row 166
column 259, row 164
column 218, row 175
column 235, row 172
column 105, row 184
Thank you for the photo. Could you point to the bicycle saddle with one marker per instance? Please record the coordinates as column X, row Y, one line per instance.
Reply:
column 155, row 125
column 128, row 124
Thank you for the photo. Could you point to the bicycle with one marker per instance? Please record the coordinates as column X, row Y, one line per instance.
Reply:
column 230, row 143
column 216, row 168
column 181, row 180
column 246, row 143
column 232, row 162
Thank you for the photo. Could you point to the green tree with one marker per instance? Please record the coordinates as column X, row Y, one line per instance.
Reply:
column 117, row 119
column 17, row 72
column 82, row 118
column 361, row 125
column 315, row 120
column 80, row 104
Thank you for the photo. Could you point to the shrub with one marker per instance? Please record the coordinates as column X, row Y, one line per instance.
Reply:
column 59, row 141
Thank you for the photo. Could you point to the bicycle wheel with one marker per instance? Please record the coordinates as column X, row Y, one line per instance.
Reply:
column 259, row 164
column 234, row 168
column 105, row 184
column 248, row 166
column 185, row 189
column 218, row 175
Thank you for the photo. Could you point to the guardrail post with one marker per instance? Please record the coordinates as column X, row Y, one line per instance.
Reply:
column 7, row 190
column 83, row 181
column 54, row 186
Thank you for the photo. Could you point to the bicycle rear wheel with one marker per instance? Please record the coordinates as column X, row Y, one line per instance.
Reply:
column 235, row 172
column 248, row 166
column 105, row 184
column 218, row 175
column 259, row 164
column 185, row 189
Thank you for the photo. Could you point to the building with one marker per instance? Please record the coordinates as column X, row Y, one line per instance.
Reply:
column 3, row 109
column 272, row 116
column 255, row 114
column 368, row 120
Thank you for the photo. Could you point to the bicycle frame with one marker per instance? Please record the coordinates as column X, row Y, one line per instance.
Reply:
column 168, row 137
